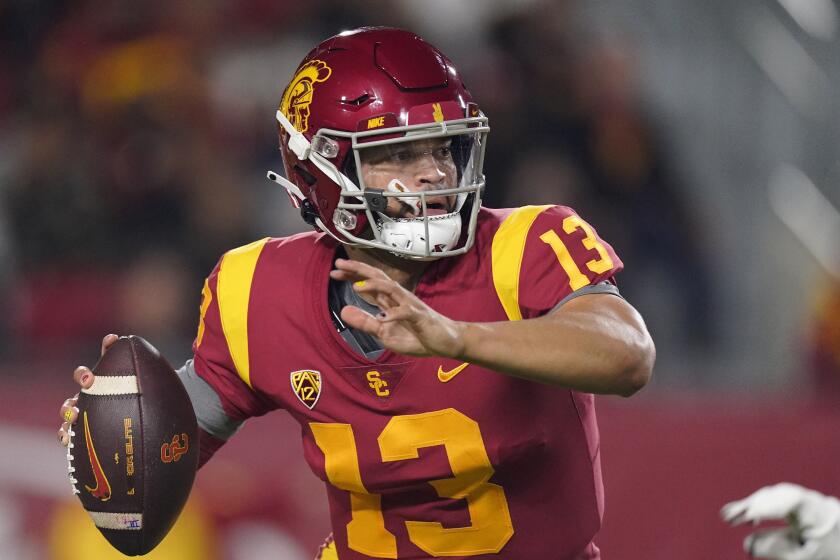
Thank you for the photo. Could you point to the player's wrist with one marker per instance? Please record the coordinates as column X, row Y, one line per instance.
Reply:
column 458, row 340
column 470, row 336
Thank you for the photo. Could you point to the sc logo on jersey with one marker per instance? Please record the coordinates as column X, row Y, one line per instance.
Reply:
column 306, row 385
column 379, row 385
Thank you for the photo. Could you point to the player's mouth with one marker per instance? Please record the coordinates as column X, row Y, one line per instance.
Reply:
column 436, row 206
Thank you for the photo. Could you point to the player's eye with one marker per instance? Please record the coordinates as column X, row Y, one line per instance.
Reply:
column 379, row 156
column 402, row 156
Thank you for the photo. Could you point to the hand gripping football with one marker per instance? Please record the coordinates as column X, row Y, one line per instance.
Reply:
column 133, row 451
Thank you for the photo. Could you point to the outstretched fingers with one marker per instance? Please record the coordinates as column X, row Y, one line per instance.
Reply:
column 346, row 269
column 403, row 313
column 361, row 320
column 373, row 283
column 385, row 292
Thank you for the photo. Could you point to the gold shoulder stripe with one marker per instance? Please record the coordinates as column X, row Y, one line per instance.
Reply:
column 508, row 250
column 206, row 299
column 234, row 293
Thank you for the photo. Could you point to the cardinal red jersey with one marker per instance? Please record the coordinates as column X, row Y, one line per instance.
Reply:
column 422, row 457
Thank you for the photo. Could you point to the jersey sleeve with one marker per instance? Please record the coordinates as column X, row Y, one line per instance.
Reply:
column 543, row 254
column 214, row 362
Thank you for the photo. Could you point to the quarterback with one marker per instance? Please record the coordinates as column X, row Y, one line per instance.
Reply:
column 439, row 356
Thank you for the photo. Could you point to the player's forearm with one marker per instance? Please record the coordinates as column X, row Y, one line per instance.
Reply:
column 606, row 351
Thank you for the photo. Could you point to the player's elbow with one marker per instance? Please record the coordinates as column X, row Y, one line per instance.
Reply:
column 638, row 365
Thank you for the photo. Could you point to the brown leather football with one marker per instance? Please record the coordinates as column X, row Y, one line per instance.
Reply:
column 133, row 452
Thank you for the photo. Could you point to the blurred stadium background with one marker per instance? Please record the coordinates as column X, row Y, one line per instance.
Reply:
column 699, row 138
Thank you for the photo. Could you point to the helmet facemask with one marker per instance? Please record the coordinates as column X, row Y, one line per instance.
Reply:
column 424, row 179
column 417, row 218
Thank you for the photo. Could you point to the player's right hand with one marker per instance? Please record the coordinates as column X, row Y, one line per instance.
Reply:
column 84, row 377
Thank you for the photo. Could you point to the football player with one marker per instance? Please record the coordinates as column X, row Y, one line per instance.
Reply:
column 813, row 531
column 440, row 357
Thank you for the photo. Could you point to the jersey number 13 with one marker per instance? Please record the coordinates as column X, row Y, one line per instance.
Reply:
column 460, row 436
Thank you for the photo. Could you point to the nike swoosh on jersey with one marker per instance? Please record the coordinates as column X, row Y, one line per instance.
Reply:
column 446, row 376
column 103, row 487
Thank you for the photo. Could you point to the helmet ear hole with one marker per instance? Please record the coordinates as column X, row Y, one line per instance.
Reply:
column 308, row 212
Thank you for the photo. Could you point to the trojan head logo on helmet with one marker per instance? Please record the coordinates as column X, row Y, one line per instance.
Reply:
column 382, row 144
column 298, row 96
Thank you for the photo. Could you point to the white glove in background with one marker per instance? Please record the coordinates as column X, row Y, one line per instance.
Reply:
column 813, row 531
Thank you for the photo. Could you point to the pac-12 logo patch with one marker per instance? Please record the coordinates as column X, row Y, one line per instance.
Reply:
column 306, row 384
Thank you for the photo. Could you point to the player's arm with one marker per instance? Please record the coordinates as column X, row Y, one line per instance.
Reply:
column 221, row 397
column 554, row 278
column 594, row 343
column 597, row 343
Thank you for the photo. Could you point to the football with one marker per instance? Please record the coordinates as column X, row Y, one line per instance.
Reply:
column 133, row 452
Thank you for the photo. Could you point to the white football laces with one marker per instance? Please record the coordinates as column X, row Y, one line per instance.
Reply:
column 70, row 468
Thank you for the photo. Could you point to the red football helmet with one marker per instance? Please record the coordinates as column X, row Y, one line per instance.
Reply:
column 388, row 90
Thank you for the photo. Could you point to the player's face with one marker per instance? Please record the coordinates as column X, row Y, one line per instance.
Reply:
column 422, row 165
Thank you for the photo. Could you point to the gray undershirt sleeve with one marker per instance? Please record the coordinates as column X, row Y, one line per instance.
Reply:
column 207, row 405
column 600, row 288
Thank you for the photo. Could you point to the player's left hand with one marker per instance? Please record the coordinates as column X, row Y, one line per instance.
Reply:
column 814, row 523
column 405, row 325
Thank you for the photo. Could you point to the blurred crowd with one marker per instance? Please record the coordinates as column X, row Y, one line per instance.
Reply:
column 136, row 137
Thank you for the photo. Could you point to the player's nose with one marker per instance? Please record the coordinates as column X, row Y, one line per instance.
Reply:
column 429, row 172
